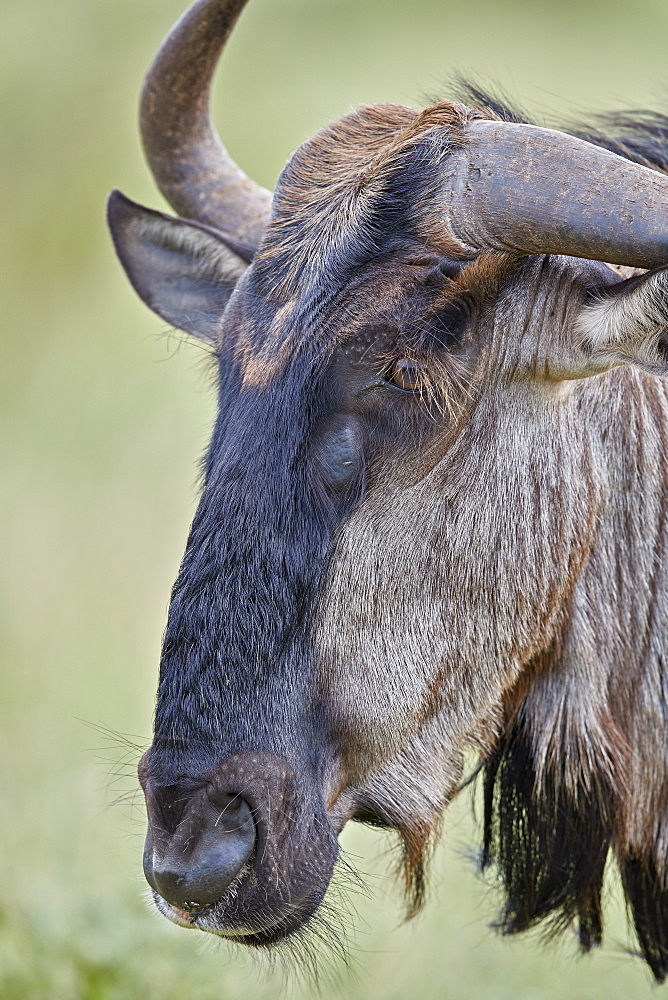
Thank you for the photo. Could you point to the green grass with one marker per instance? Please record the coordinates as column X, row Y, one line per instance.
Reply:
column 102, row 421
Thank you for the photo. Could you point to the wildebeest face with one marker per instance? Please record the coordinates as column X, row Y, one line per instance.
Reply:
column 344, row 624
column 311, row 423
column 418, row 510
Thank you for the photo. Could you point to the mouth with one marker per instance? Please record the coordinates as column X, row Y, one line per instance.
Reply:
column 198, row 920
column 208, row 919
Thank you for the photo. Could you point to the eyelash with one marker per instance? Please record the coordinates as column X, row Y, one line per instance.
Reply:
column 408, row 376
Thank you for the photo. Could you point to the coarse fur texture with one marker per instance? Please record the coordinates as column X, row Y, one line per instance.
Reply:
column 581, row 767
column 378, row 579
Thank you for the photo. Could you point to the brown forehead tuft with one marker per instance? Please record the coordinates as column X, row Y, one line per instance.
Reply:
column 355, row 185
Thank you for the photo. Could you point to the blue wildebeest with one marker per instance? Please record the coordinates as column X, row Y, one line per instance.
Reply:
column 434, row 506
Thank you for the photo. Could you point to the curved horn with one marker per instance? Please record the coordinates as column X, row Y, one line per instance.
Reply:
column 535, row 190
column 190, row 165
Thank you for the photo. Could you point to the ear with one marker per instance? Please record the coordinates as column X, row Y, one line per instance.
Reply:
column 182, row 270
column 627, row 323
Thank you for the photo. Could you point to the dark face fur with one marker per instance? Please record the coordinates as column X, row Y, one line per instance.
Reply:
column 410, row 478
column 307, row 438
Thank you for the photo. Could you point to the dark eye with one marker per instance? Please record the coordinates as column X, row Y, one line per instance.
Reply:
column 408, row 375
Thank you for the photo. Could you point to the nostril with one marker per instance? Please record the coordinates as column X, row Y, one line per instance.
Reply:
column 205, row 854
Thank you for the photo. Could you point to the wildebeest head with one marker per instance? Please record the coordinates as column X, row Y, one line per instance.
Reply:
column 408, row 487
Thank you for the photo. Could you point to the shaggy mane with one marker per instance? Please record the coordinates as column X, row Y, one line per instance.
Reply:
column 550, row 846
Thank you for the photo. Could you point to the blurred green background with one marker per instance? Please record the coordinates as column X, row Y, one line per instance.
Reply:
column 104, row 416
